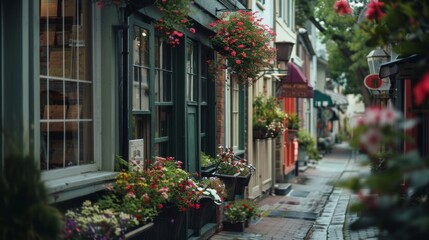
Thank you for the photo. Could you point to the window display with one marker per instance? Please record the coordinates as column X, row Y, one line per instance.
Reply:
column 66, row 115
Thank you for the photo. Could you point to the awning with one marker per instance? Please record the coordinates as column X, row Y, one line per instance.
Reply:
column 295, row 84
column 337, row 99
column 322, row 99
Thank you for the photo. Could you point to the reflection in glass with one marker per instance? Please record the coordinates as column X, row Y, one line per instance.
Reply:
column 162, row 121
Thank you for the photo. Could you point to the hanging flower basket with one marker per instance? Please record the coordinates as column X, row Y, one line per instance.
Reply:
column 260, row 132
column 245, row 43
column 292, row 134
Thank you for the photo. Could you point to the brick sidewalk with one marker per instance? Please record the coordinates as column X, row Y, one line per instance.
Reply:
column 299, row 214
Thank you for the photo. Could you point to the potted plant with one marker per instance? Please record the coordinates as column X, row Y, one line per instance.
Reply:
column 213, row 193
column 268, row 117
column 305, row 144
column 250, row 208
column 208, row 165
column 293, row 125
column 234, row 217
column 245, row 44
column 232, row 170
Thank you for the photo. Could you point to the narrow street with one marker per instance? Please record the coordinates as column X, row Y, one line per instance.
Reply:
column 313, row 208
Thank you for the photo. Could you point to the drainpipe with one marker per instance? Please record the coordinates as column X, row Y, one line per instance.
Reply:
column 274, row 83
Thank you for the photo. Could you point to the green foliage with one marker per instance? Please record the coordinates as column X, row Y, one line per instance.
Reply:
column 207, row 160
column 293, row 121
column 267, row 113
column 24, row 207
column 305, row 139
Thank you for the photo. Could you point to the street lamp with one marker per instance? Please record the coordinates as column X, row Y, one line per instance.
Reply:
column 376, row 58
column 284, row 50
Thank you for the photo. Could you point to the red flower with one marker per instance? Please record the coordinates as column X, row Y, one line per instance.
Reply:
column 238, row 61
column 183, row 209
column 421, row 90
column 192, row 30
column 374, row 10
column 160, row 206
column 342, row 7
column 233, row 53
column 197, row 206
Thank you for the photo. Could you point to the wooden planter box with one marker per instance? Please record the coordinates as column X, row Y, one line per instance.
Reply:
column 204, row 215
column 168, row 225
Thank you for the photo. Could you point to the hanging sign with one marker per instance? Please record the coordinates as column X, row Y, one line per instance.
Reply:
column 297, row 90
column 372, row 81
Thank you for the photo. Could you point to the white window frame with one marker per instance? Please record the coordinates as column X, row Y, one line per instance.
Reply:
column 71, row 182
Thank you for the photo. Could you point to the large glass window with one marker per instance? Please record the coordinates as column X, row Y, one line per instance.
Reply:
column 237, row 116
column 192, row 71
column 140, row 69
column 141, row 120
column 163, row 97
column 66, row 84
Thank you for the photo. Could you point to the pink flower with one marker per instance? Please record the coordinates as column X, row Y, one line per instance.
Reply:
column 192, row 30
column 238, row 61
column 239, row 23
column 371, row 140
column 240, row 46
column 374, row 10
column 342, row 7
column 243, row 54
column 233, row 53
column 100, row 4
column 421, row 90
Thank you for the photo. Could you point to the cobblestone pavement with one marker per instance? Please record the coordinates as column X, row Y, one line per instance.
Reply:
column 314, row 209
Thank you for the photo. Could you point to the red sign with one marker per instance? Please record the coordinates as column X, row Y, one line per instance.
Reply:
column 372, row 81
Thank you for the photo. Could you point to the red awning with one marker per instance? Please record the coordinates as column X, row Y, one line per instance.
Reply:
column 295, row 84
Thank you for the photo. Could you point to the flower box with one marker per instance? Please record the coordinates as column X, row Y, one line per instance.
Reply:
column 168, row 224
column 230, row 182
column 241, row 183
column 204, row 215
column 233, row 227
column 142, row 232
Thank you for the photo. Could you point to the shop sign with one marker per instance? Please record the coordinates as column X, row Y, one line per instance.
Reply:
column 297, row 90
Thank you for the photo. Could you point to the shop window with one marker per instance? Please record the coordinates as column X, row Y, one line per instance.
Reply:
column 66, row 84
column 141, row 120
column 140, row 69
column 237, row 116
column 163, row 97
column 192, row 72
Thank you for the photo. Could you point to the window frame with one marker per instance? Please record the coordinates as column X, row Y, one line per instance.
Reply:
column 54, row 176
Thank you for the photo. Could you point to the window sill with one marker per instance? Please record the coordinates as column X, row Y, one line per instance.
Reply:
column 76, row 186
